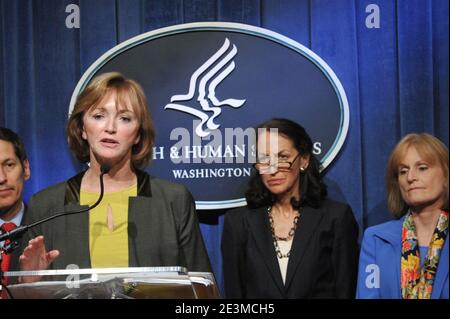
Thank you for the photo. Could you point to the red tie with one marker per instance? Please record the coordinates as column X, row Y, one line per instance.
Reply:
column 6, row 258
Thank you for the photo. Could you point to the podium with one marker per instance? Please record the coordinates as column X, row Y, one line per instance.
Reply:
column 114, row 283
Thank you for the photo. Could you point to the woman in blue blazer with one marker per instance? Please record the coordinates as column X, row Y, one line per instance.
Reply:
column 408, row 258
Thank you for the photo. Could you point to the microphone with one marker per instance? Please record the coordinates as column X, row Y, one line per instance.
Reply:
column 19, row 231
column 104, row 169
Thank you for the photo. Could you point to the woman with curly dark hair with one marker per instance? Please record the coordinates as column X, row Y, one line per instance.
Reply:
column 290, row 241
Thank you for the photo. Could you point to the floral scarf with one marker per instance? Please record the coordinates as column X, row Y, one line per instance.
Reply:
column 417, row 282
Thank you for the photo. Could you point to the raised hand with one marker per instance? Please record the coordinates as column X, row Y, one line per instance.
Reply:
column 36, row 257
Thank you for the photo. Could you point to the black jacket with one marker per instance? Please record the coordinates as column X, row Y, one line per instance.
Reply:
column 14, row 263
column 323, row 261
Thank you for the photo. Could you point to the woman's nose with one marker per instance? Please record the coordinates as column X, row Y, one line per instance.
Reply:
column 412, row 175
column 111, row 126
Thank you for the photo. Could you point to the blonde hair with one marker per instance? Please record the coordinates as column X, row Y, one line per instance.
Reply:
column 431, row 149
column 127, row 92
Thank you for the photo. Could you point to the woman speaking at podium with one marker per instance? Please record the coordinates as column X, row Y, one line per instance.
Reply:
column 141, row 221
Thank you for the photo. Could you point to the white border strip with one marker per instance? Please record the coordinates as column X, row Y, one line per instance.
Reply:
column 94, row 271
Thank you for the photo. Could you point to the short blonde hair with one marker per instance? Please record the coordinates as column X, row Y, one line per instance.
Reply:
column 127, row 92
column 431, row 149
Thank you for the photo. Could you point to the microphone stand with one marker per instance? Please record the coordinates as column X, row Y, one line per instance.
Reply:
column 14, row 235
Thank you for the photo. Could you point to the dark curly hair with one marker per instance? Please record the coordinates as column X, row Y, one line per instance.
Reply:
column 312, row 190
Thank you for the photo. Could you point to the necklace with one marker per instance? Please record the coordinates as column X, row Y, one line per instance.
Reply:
column 277, row 238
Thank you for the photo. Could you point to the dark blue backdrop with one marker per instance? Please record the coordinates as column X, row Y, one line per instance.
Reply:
column 395, row 76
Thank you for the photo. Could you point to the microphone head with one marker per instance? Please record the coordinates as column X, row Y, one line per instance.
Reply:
column 104, row 169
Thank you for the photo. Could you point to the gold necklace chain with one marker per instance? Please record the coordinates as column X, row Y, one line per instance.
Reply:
column 277, row 238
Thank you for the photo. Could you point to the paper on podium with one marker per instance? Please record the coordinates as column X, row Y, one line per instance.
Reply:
column 118, row 283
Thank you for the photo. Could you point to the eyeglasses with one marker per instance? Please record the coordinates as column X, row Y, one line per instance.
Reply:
column 267, row 167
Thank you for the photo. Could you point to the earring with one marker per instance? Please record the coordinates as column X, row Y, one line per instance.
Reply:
column 302, row 169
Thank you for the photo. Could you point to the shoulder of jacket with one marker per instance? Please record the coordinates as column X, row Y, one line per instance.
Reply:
column 162, row 185
column 54, row 191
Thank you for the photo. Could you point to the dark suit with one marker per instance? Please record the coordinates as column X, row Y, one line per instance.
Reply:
column 323, row 261
column 14, row 262
column 163, row 229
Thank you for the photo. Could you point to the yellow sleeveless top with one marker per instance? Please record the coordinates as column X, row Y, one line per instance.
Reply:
column 108, row 227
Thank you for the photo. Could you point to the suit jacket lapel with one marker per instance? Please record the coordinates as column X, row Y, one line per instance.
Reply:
column 79, row 224
column 139, row 222
column 14, row 265
column 137, row 218
column 392, row 235
column 442, row 272
column 139, row 231
column 260, row 228
column 307, row 224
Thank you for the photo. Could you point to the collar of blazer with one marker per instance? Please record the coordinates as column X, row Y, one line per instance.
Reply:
column 73, row 185
column 137, row 218
column 391, row 232
column 260, row 227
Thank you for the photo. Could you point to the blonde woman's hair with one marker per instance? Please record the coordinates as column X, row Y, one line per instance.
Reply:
column 128, row 92
column 431, row 149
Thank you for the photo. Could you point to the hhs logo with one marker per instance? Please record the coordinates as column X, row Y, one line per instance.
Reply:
column 211, row 74
column 209, row 84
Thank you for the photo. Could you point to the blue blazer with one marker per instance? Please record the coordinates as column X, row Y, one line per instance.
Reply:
column 381, row 251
